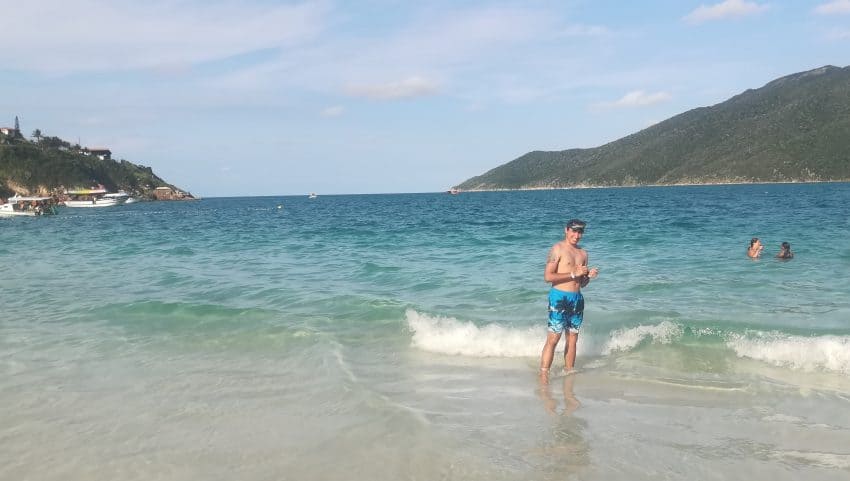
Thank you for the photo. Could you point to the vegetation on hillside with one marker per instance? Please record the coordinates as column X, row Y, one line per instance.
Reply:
column 794, row 129
column 48, row 165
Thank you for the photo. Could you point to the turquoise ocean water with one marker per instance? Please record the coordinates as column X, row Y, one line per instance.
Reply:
column 384, row 337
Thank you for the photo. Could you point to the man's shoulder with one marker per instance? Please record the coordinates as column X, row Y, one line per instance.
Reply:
column 557, row 251
column 560, row 246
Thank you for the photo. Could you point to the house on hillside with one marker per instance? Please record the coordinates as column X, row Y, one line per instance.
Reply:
column 167, row 193
column 7, row 130
column 100, row 153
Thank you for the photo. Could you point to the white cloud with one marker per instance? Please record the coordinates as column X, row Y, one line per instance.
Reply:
column 585, row 31
column 723, row 10
column 834, row 7
column 636, row 98
column 334, row 111
column 442, row 49
column 294, row 48
column 838, row 34
column 84, row 35
column 410, row 87
column 436, row 49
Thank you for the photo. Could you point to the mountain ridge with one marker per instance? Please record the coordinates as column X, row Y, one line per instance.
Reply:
column 795, row 128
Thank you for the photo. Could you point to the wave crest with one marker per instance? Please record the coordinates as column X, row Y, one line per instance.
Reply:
column 831, row 353
column 447, row 335
column 627, row 339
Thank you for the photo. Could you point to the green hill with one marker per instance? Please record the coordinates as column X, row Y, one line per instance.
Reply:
column 49, row 165
column 794, row 129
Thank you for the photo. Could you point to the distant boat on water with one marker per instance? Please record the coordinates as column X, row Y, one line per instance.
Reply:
column 453, row 191
column 28, row 206
column 312, row 195
column 94, row 198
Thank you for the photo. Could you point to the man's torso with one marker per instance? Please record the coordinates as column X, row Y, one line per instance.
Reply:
column 569, row 257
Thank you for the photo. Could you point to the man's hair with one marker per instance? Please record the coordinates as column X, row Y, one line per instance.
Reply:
column 786, row 245
column 576, row 223
column 753, row 241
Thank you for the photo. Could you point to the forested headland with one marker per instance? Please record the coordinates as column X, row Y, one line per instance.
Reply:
column 793, row 129
column 45, row 165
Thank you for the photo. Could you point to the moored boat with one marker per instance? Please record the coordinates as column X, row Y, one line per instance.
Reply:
column 28, row 206
column 94, row 198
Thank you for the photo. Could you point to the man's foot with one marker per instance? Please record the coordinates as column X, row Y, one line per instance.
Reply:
column 544, row 375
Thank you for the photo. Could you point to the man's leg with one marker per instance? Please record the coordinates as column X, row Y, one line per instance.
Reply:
column 548, row 353
column 570, row 351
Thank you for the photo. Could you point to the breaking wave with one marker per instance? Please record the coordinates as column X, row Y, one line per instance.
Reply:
column 448, row 335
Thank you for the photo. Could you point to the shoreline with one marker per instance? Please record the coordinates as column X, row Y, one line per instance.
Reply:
column 683, row 184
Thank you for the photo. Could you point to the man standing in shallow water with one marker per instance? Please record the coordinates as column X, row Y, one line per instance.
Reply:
column 566, row 270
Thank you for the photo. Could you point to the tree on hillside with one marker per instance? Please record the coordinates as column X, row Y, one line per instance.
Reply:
column 15, row 136
column 54, row 143
column 37, row 134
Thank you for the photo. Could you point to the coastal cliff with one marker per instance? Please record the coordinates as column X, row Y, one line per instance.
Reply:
column 49, row 165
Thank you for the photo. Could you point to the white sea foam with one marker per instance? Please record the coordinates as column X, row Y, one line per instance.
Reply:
column 448, row 335
column 827, row 460
column 627, row 339
column 831, row 353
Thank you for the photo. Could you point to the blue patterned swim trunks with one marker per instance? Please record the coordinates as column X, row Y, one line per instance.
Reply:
column 566, row 310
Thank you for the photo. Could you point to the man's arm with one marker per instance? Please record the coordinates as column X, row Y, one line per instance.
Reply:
column 591, row 274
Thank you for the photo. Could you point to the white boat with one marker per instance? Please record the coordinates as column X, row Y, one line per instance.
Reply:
column 94, row 198
column 28, row 206
column 312, row 195
column 121, row 197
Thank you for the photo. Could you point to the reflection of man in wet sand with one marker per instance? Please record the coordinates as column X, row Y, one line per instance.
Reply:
column 571, row 403
column 566, row 270
column 567, row 448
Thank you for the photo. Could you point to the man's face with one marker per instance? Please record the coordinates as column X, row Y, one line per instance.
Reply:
column 574, row 234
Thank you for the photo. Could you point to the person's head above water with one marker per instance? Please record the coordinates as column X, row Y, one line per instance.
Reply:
column 785, row 251
column 755, row 248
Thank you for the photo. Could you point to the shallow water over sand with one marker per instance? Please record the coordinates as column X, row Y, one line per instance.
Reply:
column 397, row 337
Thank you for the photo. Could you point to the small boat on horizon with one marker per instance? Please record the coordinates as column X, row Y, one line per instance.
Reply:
column 453, row 191
column 312, row 195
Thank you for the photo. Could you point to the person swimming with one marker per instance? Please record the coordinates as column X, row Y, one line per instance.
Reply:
column 754, row 251
column 785, row 251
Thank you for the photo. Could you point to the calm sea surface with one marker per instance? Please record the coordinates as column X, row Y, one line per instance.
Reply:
column 386, row 337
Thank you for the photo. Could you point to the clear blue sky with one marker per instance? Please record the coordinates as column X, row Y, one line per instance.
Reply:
column 268, row 97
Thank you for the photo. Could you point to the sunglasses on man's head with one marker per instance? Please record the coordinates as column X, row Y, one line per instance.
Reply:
column 577, row 228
